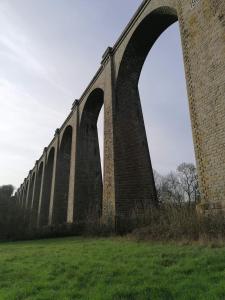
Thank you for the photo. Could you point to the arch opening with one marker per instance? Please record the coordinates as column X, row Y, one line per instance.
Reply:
column 24, row 196
column 60, row 205
column 100, row 128
column 140, row 44
column 89, row 186
column 21, row 197
column 30, row 192
column 136, row 186
column 164, row 100
column 37, row 190
column 47, row 188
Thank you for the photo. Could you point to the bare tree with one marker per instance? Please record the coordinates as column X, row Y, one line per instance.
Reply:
column 187, row 175
column 6, row 192
column 168, row 188
column 178, row 187
column 171, row 189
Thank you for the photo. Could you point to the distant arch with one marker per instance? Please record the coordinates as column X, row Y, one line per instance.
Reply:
column 30, row 192
column 24, row 197
column 37, row 194
column 19, row 196
column 88, row 189
column 47, row 188
column 60, row 205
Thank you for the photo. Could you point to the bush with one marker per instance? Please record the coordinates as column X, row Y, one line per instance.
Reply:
column 171, row 222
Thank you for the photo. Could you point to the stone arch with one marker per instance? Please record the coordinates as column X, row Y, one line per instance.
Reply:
column 136, row 187
column 22, row 196
column 19, row 195
column 47, row 187
column 88, row 189
column 30, row 191
column 60, row 205
column 141, row 42
column 24, row 199
column 37, row 191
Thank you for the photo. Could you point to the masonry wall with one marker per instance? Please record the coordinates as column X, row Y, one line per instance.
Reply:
column 203, row 33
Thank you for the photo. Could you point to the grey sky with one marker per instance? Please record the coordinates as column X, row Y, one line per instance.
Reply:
column 50, row 50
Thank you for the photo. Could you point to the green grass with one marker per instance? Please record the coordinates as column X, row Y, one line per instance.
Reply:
column 77, row 268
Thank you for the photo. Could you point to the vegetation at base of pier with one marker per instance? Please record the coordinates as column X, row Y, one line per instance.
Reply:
column 170, row 222
column 176, row 217
column 110, row 269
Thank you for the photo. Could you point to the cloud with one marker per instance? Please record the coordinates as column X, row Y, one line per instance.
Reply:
column 21, row 48
column 24, row 129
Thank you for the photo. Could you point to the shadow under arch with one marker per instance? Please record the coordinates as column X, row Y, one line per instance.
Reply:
column 60, row 205
column 88, row 183
column 21, row 196
column 37, row 195
column 24, row 195
column 30, row 192
column 47, row 188
column 135, row 187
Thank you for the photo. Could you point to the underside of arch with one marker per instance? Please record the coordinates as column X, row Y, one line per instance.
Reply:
column 88, row 189
column 60, row 205
column 135, row 183
column 47, row 187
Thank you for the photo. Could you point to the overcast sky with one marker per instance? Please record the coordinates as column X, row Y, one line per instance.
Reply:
column 49, row 52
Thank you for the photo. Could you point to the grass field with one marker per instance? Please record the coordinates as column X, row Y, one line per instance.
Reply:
column 76, row 268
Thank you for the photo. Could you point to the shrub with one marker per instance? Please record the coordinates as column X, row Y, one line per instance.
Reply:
column 178, row 223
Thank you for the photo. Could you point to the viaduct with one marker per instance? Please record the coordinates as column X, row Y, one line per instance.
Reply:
column 66, row 184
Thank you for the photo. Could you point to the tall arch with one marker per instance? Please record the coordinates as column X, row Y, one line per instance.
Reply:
column 133, row 169
column 30, row 191
column 60, row 205
column 165, row 105
column 47, row 187
column 88, row 189
column 37, row 191
column 24, row 197
column 19, row 195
